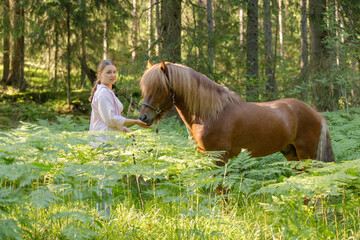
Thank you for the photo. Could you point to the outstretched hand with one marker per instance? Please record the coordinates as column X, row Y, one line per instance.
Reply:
column 141, row 124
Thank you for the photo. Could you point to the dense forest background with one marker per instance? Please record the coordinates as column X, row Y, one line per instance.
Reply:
column 262, row 50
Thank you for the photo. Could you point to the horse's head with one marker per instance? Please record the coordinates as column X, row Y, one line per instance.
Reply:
column 157, row 93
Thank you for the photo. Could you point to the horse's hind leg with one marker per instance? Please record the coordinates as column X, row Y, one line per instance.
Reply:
column 290, row 153
column 293, row 154
column 299, row 151
column 306, row 150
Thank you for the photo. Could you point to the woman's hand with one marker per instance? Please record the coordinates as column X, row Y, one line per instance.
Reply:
column 141, row 124
column 137, row 122
column 125, row 129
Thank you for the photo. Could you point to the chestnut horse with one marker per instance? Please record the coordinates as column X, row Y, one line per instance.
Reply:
column 220, row 121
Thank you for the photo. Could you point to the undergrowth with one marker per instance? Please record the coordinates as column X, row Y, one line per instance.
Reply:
column 51, row 173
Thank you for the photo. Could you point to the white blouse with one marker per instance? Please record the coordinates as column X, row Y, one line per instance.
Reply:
column 106, row 111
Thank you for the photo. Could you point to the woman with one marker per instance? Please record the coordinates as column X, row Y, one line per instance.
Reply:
column 106, row 107
column 106, row 116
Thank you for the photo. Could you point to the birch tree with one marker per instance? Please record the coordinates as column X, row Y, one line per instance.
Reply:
column 157, row 27
column 150, row 26
column 241, row 25
column 105, row 37
column 281, row 37
column 134, row 29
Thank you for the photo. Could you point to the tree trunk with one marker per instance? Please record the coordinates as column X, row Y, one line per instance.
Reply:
column 190, row 54
column 304, row 63
column 6, row 46
column 150, row 26
column 200, row 28
column 281, row 40
column 337, row 20
column 157, row 28
column 171, row 30
column 134, row 30
column 242, row 43
column 269, row 72
column 319, row 59
column 16, row 75
column 252, row 60
column 83, row 42
column 22, row 83
column 83, row 56
column 90, row 73
column 170, row 47
column 68, row 57
column 48, row 59
column 211, row 37
column 317, row 35
column 241, row 26
column 56, row 56
column 336, row 57
column 356, row 86
column 276, row 8
column 105, row 37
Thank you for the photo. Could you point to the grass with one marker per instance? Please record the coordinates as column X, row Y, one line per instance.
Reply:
column 50, row 175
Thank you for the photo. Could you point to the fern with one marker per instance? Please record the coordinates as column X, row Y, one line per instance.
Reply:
column 50, row 173
column 9, row 229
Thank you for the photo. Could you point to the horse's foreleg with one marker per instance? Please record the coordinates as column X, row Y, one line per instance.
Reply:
column 221, row 191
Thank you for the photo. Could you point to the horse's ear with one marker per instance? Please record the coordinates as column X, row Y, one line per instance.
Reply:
column 163, row 66
column 149, row 64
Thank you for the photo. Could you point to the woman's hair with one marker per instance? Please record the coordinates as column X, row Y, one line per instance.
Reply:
column 100, row 67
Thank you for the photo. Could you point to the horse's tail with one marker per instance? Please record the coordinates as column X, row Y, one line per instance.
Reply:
column 324, row 150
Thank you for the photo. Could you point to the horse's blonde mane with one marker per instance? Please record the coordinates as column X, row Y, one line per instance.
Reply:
column 203, row 97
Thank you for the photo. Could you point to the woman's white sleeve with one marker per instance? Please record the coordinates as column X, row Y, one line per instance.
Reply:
column 106, row 108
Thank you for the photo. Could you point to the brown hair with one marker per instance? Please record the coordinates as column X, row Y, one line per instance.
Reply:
column 100, row 67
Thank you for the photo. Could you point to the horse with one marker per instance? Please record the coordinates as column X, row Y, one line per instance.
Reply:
column 219, row 120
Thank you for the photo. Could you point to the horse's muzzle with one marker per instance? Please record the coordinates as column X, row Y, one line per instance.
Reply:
column 146, row 119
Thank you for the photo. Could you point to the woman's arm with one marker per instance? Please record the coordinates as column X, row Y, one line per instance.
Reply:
column 106, row 110
column 135, row 121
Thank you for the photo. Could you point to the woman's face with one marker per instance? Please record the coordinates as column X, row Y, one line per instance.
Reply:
column 108, row 75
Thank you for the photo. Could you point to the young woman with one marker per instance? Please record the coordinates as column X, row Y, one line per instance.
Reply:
column 106, row 116
column 106, row 107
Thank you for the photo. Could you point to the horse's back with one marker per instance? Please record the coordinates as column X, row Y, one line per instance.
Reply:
column 308, row 126
column 306, row 120
column 268, row 127
column 261, row 128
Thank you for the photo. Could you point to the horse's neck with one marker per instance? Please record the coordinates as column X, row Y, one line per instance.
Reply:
column 188, row 117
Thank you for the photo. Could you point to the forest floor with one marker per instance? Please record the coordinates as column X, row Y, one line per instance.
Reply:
column 16, row 107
